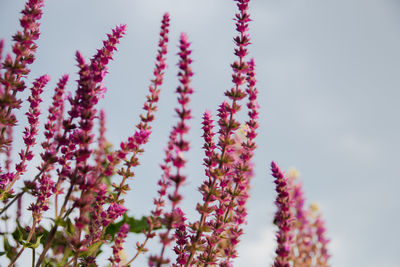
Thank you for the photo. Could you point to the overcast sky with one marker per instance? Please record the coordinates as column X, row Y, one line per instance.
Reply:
column 329, row 79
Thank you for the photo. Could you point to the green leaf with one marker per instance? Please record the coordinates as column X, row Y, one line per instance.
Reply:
column 60, row 221
column 137, row 226
column 34, row 245
column 6, row 196
column 91, row 249
column 19, row 234
column 70, row 227
column 67, row 253
column 10, row 251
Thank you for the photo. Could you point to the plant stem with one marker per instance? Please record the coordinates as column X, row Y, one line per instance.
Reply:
column 53, row 230
column 33, row 257
column 31, row 232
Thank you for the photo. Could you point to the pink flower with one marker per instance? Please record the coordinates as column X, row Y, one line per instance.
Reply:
column 176, row 146
column 322, row 256
column 283, row 218
column 16, row 69
column 30, row 132
column 118, row 245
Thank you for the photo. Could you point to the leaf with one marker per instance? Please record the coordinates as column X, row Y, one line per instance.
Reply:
column 70, row 227
column 112, row 229
column 34, row 245
column 6, row 195
column 10, row 251
column 19, row 234
column 135, row 225
column 60, row 221
column 66, row 254
column 45, row 234
column 91, row 249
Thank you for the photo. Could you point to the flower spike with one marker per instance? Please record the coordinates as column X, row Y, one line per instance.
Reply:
column 16, row 69
column 283, row 218
column 174, row 154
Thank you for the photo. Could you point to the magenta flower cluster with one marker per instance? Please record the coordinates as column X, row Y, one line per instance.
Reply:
column 82, row 181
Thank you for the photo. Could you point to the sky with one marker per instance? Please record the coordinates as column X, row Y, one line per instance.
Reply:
column 328, row 74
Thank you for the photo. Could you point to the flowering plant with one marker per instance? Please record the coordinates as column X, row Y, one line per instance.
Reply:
column 84, row 181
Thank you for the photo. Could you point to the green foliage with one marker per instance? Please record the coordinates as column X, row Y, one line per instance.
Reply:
column 33, row 245
column 91, row 249
column 135, row 225
column 10, row 251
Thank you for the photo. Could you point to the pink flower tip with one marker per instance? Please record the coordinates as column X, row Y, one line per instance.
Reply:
column 44, row 79
column 251, row 63
column 125, row 228
column 184, row 38
column 122, row 28
column 273, row 165
column 80, row 58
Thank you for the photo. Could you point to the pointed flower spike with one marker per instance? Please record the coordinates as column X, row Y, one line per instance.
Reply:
column 30, row 132
column 16, row 69
column 177, row 145
column 283, row 218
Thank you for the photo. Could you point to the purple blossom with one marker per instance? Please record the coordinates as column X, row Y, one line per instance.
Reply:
column 176, row 146
column 118, row 245
column 181, row 237
column 16, row 69
column 283, row 218
column 134, row 144
column 30, row 132
column 301, row 226
column 322, row 242
column 231, row 170
column 1, row 51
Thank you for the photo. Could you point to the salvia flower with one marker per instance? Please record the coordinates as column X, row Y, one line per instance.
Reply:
column 302, row 255
column 321, row 241
column 30, row 132
column 243, row 167
column 24, row 49
column 224, row 169
column 181, row 236
column 9, row 136
column 83, row 108
column 118, row 245
column 52, row 132
column 130, row 149
column 177, row 144
column 1, row 49
column 283, row 218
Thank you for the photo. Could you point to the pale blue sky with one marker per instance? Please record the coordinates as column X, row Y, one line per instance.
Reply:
column 329, row 79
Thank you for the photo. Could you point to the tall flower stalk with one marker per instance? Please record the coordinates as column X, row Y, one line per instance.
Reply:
column 133, row 147
column 320, row 241
column 16, row 69
column 283, row 218
column 75, row 141
column 221, row 181
column 27, row 154
column 177, row 145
